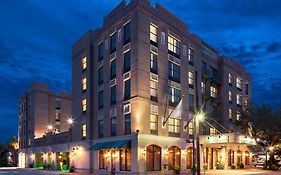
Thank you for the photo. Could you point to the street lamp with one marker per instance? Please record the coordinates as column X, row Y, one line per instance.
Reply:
column 50, row 127
column 271, row 148
column 70, row 121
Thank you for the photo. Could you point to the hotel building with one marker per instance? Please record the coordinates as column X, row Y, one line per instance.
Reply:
column 127, row 78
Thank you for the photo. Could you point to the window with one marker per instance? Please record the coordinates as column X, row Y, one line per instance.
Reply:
column 174, row 157
column 113, row 43
column 230, row 96
column 100, row 99
column 113, row 126
column 214, row 73
column 174, row 72
column 247, row 89
column 203, row 67
column 212, row 130
column 239, row 156
column 113, row 95
column 127, row 61
column 163, row 37
column 190, row 128
column 247, row 102
column 127, row 89
column 230, row 78
column 190, row 79
column 127, row 33
column 84, row 63
column 100, row 128
column 203, row 87
column 173, row 45
column 189, row 158
column 239, row 83
column 100, row 75
column 230, row 157
column 238, row 115
column 213, row 92
column 113, row 69
column 153, row 63
column 174, row 96
column 174, row 127
column 102, row 159
column 100, row 51
column 239, row 99
column 190, row 56
column 230, row 114
column 84, row 84
column 84, row 131
column 125, row 159
column 128, row 124
column 153, row 158
column 84, row 105
column 153, row 90
column 58, row 104
column 247, row 158
column 191, row 102
column 153, row 34
column 153, row 124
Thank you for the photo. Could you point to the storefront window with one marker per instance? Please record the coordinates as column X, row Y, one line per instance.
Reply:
column 239, row 156
column 189, row 158
column 125, row 159
column 247, row 158
column 153, row 158
column 102, row 159
column 174, row 157
column 230, row 157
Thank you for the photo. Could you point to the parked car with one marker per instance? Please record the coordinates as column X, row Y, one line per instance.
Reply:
column 259, row 162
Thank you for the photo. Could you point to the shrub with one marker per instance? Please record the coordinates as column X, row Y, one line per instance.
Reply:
column 233, row 166
column 177, row 170
column 71, row 169
column 220, row 165
column 205, row 166
column 31, row 165
column 240, row 165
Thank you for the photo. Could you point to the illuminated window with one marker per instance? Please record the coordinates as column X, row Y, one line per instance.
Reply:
column 229, row 78
column 214, row 91
column 125, row 159
column 153, row 63
column 174, row 127
column 84, row 62
column 190, row 78
column 102, row 159
column 153, row 34
column 230, row 113
column 230, row 96
column 174, row 157
column 153, row 90
column 239, row 83
column 174, row 95
column 212, row 130
column 84, row 84
column 190, row 128
column 203, row 87
column 239, row 99
column 173, row 45
column 190, row 56
column 153, row 123
column 84, row 131
column 153, row 158
column 84, row 105
column 238, row 115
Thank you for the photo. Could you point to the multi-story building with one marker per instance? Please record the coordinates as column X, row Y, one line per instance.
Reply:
column 41, row 111
column 127, row 79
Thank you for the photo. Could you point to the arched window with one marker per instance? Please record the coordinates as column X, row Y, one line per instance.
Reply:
column 153, row 158
column 189, row 158
column 239, row 156
column 247, row 158
column 230, row 157
column 174, row 157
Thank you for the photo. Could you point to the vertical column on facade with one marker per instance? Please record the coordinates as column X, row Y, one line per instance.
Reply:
column 141, row 158
column 134, row 154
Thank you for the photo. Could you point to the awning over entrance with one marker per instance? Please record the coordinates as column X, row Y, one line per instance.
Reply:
column 111, row 145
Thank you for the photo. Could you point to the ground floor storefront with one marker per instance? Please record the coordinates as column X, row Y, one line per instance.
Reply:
column 141, row 154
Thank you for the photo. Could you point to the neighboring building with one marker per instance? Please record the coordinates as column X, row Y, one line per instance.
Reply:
column 129, row 75
column 41, row 112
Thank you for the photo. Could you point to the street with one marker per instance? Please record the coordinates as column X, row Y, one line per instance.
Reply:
column 17, row 171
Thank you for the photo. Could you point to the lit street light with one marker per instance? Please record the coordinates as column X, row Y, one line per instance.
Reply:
column 50, row 127
column 70, row 121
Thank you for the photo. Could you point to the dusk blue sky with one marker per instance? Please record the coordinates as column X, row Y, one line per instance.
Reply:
column 36, row 39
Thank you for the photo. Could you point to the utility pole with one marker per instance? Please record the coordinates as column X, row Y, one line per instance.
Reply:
column 197, row 124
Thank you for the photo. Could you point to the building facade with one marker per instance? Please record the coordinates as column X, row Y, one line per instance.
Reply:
column 127, row 79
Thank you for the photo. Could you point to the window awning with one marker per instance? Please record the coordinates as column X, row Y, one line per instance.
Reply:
column 112, row 145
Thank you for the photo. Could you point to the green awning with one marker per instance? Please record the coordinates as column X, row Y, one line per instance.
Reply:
column 112, row 145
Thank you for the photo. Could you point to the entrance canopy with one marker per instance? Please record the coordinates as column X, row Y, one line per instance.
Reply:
column 228, row 138
column 112, row 145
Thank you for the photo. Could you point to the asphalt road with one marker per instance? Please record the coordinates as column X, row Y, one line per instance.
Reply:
column 16, row 171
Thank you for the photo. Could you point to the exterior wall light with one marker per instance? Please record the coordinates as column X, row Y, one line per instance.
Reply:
column 143, row 152
column 50, row 127
column 271, row 148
